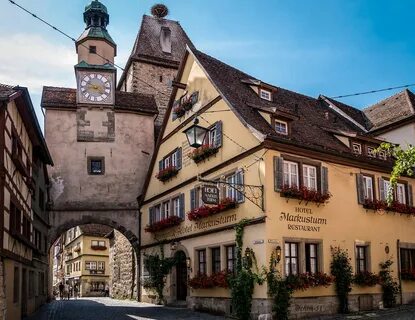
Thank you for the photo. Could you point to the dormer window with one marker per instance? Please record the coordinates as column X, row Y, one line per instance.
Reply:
column 265, row 94
column 382, row 155
column 281, row 127
column 371, row 152
column 357, row 148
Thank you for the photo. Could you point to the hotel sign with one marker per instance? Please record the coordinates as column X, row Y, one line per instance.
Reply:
column 210, row 194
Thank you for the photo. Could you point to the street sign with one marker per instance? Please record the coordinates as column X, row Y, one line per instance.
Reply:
column 210, row 194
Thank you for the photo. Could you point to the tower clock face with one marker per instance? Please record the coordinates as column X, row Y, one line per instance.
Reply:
column 96, row 87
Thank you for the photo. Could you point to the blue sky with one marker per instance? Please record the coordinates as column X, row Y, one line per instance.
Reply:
column 331, row 47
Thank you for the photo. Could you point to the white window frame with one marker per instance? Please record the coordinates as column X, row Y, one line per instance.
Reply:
column 174, row 159
column 280, row 122
column 212, row 137
column 165, row 209
column 289, row 175
column 166, row 162
column 101, row 265
column 157, row 213
column 308, row 178
column 386, row 184
column 265, row 94
column 90, row 265
column 231, row 192
column 368, row 187
column 401, row 193
column 176, row 206
column 357, row 148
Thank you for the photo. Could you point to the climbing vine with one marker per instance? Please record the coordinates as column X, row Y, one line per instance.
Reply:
column 242, row 282
column 341, row 269
column 158, row 268
column 390, row 288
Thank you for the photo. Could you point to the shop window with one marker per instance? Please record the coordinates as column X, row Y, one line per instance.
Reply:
column 407, row 259
column 215, row 260
column 231, row 258
column 265, row 94
column 16, row 285
column 361, row 259
column 357, row 148
column 281, row 127
column 291, row 258
column 201, row 254
column 310, row 177
column 311, row 257
column 96, row 165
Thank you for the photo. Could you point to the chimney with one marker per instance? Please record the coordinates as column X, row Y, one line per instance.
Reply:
column 165, row 39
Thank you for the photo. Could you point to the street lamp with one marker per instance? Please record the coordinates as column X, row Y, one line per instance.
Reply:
column 195, row 134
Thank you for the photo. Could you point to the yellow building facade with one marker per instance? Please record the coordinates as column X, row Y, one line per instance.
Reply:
column 301, row 170
column 86, row 258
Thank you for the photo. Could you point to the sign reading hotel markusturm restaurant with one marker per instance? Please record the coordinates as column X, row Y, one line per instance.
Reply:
column 210, row 194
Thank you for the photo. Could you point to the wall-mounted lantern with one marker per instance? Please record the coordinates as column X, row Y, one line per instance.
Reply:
column 189, row 264
column 277, row 254
column 195, row 134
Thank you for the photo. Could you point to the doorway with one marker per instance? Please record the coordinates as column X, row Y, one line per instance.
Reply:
column 181, row 276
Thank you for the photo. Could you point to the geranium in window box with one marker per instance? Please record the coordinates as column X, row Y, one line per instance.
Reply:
column 366, row 279
column 163, row 224
column 206, row 210
column 203, row 281
column 303, row 193
column 179, row 111
column 167, row 173
column 303, row 281
column 383, row 205
column 203, row 152
column 408, row 275
column 187, row 103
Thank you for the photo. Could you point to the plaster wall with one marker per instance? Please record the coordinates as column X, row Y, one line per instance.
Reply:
column 404, row 135
column 103, row 49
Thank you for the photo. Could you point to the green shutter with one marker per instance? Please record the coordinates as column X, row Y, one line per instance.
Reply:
column 239, row 181
column 192, row 199
column 381, row 189
column 360, row 189
column 278, row 173
column 218, row 138
column 181, row 205
column 179, row 158
column 410, row 196
column 324, row 180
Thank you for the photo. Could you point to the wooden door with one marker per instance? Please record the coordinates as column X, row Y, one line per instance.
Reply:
column 181, row 276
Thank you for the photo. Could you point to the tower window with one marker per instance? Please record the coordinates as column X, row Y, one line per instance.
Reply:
column 161, row 78
column 96, row 165
column 92, row 49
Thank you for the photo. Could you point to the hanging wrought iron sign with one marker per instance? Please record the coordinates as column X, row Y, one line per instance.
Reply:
column 210, row 194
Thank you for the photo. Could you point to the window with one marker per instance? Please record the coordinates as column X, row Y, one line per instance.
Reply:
column 368, row 187
column 310, row 177
column 16, row 284
column 15, row 219
column 234, row 182
column 214, row 136
column 231, row 258
column 384, row 192
column 96, row 165
column 98, row 243
column 27, row 232
column 92, row 49
column 357, row 148
column 371, row 152
column 178, row 206
column 165, row 210
column 265, row 94
column 291, row 258
column 281, row 127
column 361, row 259
column 400, row 193
column 407, row 259
column 215, row 260
column 311, row 256
column 382, row 155
column 101, row 265
column 290, row 174
column 201, row 254
column 173, row 159
column 175, row 207
column 41, row 199
column 90, row 265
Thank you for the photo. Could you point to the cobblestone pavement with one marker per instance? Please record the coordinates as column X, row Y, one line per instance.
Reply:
column 109, row 309
column 406, row 312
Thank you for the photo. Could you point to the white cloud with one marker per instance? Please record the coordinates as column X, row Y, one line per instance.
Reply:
column 31, row 61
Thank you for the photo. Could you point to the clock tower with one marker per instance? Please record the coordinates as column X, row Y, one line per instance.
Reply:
column 95, row 72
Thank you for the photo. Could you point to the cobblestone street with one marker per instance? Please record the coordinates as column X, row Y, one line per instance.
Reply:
column 109, row 309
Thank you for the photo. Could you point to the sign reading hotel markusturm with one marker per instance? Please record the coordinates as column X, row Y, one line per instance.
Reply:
column 210, row 194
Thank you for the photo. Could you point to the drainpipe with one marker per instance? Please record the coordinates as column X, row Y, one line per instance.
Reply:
column 398, row 255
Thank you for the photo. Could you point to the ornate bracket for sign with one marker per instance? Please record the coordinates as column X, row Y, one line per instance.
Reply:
column 254, row 194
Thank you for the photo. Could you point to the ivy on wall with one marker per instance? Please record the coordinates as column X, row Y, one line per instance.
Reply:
column 341, row 269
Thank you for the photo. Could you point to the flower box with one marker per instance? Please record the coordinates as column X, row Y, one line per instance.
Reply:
column 163, row 224
column 206, row 211
column 185, row 104
column 383, row 205
column 179, row 111
column 408, row 275
column 303, row 193
column 303, row 281
column 366, row 279
column 167, row 173
column 202, row 153
column 203, row 281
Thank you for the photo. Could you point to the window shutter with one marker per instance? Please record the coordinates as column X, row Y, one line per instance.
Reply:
column 181, row 204
column 324, row 180
column 278, row 173
column 360, row 189
column 194, row 97
column 151, row 215
column 410, row 196
column 192, row 199
column 161, row 165
column 381, row 189
column 179, row 158
column 218, row 138
column 239, row 181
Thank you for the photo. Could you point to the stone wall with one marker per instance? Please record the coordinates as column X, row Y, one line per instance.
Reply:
column 122, row 266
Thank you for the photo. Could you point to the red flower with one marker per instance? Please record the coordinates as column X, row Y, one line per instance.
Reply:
column 408, row 275
column 303, row 281
column 163, row 224
column 383, row 205
column 303, row 193
column 366, row 279
column 203, row 281
column 203, row 152
column 206, row 211
column 167, row 173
